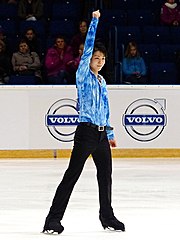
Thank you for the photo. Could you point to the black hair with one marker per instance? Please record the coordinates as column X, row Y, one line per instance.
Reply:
column 98, row 46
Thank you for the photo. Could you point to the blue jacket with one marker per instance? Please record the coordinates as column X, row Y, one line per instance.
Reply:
column 134, row 64
column 92, row 96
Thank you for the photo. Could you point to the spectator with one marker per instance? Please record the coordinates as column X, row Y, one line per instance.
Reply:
column 56, row 62
column 25, row 62
column 133, row 66
column 73, row 65
column 170, row 13
column 5, row 64
column 33, row 41
column 30, row 9
column 79, row 37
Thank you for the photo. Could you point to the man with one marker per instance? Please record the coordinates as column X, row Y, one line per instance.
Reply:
column 93, row 136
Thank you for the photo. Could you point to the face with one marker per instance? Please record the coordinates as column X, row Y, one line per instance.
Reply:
column 133, row 51
column 83, row 27
column 97, row 62
column 171, row 1
column 81, row 48
column 30, row 35
column 60, row 43
column 23, row 47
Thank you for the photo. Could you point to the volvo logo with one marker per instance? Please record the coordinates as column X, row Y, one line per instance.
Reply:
column 62, row 119
column 145, row 119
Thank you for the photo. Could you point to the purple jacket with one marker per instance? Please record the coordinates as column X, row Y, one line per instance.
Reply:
column 169, row 15
column 56, row 61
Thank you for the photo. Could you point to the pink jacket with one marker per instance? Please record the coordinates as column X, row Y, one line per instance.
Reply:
column 56, row 61
column 169, row 15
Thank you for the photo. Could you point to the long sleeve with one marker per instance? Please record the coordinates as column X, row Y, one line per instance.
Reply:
column 92, row 96
column 88, row 50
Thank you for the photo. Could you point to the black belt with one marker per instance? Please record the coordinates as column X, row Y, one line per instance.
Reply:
column 99, row 128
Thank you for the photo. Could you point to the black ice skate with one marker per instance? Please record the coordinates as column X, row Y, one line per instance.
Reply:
column 112, row 223
column 52, row 227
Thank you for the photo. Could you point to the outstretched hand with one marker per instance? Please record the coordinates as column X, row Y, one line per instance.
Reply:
column 96, row 14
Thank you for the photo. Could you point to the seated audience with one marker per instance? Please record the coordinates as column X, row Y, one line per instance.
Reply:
column 79, row 38
column 30, row 9
column 33, row 41
column 5, row 64
column 133, row 66
column 170, row 13
column 25, row 62
column 56, row 62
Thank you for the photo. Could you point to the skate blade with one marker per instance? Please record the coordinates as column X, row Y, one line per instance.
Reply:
column 113, row 229
column 50, row 232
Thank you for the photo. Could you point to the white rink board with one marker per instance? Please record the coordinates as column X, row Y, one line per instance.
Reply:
column 24, row 109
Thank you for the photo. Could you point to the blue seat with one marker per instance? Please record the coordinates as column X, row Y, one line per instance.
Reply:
column 149, row 52
column 64, row 27
column 150, row 4
column 113, row 17
column 124, row 35
column 168, row 52
column 163, row 73
column 124, row 4
column 22, row 80
column 140, row 17
column 66, row 9
column 8, row 11
column 110, row 18
column 175, row 35
column 156, row 34
column 9, row 27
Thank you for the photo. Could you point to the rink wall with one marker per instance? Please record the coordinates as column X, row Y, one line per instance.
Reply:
column 39, row 121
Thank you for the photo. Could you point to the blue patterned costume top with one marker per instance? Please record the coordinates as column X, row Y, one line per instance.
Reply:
column 92, row 95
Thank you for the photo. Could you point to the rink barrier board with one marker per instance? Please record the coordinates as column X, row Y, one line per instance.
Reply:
column 27, row 133
column 65, row 153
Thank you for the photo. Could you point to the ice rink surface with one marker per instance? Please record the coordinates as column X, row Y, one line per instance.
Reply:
column 145, row 196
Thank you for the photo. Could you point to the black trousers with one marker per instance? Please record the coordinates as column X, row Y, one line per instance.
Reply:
column 87, row 141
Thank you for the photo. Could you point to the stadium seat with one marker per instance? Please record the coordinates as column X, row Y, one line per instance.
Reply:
column 140, row 17
column 8, row 11
column 163, row 73
column 66, row 9
column 168, row 52
column 9, row 27
column 22, row 80
column 149, row 52
column 175, row 35
column 113, row 17
column 124, row 4
column 123, row 35
column 156, row 34
column 153, row 5
column 109, row 19
column 64, row 27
